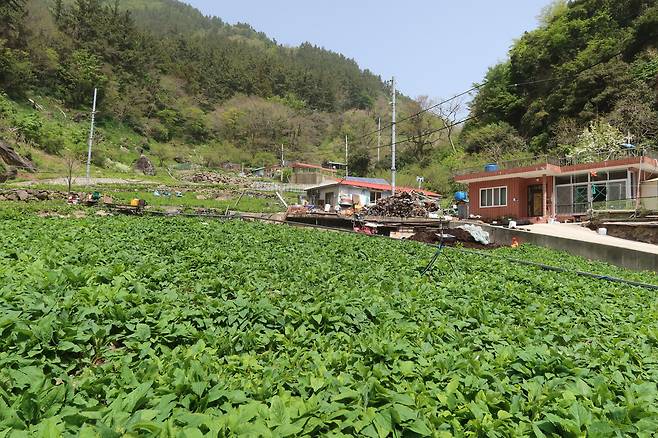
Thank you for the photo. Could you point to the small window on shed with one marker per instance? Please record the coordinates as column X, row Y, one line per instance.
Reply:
column 375, row 196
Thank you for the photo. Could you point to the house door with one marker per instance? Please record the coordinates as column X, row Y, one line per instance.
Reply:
column 535, row 201
column 329, row 198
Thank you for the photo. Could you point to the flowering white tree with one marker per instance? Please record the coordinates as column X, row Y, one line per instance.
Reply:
column 599, row 141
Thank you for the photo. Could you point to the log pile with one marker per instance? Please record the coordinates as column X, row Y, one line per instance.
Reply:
column 403, row 204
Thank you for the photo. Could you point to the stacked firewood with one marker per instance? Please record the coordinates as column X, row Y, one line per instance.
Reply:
column 403, row 204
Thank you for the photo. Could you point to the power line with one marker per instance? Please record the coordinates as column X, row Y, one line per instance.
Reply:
column 389, row 125
column 478, row 86
column 433, row 131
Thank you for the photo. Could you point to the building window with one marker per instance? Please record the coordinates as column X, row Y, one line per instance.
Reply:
column 493, row 197
column 375, row 196
column 596, row 190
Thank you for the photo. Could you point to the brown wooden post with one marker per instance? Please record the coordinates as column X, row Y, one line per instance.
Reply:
column 544, row 200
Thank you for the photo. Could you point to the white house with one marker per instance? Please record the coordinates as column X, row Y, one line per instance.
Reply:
column 355, row 191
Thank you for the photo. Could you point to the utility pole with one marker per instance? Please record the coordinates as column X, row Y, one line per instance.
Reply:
column 91, row 135
column 347, row 167
column 379, row 136
column 393, row 170
column 283, row 163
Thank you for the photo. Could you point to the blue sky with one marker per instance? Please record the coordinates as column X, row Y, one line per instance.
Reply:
column 433, row 47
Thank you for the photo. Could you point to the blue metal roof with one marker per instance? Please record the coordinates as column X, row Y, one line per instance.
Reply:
column 367, row 180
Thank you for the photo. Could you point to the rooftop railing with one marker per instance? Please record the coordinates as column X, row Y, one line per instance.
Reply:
column 511, row 164
column 563, row 161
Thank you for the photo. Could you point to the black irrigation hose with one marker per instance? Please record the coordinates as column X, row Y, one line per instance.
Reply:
column 508, row 259
column 562, row 270
column 437, row 255
column 439, row 247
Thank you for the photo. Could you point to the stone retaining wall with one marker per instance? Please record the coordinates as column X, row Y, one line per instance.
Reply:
column 34, row 195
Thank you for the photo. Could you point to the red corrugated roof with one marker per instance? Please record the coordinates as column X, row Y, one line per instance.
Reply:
column 385, row 187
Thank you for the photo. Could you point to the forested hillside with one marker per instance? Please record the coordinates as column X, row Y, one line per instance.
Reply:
column 586, row 79
column 183, row 87
column 178, row 85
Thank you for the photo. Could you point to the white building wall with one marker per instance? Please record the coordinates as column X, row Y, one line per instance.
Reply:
column 348, row 192
column 649, row 194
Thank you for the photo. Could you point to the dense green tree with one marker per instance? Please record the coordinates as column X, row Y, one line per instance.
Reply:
column 12, row 13
column 359, row 162
column 586, row 57
column 16, row 72
column 15, row 67
column 494, row 140
column 80, row 74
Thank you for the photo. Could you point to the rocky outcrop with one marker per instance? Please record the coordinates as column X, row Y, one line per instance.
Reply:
column 145, row 166
column 22, row 195
column 11, row 158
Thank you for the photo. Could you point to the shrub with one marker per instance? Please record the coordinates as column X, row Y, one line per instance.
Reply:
column 51, row 139
column 29, row 128
column 158, row 131
column 6, row 106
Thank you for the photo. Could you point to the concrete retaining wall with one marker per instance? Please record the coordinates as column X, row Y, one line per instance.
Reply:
column 623, row 257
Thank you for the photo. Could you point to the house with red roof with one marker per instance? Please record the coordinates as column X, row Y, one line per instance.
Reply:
column 541, row 188
column 356, row 191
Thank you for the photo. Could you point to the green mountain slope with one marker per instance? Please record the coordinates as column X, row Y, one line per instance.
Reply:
column 591, row 67
column 164, row 17
column 170, row 79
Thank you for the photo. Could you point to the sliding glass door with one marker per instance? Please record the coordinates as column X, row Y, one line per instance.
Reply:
column 580, row 199
column 576, row 194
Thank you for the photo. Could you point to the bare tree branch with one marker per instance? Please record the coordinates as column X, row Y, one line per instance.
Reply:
column 449, row 113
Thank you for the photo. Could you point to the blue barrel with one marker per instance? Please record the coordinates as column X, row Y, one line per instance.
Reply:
column 461, row 196
column 491, row 167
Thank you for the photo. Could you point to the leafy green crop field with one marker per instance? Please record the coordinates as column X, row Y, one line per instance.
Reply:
column 562, row 259
column 128, row 326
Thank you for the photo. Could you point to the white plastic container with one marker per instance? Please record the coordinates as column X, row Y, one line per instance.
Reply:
column 602, row 231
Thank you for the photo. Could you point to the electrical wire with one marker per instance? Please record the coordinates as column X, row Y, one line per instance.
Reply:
column 434, row 131
column 389, row 125
column 478, row 86
column 475, row 87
